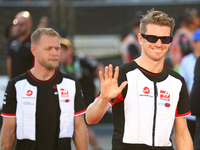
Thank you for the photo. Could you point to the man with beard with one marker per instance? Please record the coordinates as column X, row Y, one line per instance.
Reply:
column 43, row 108
column 19, row 56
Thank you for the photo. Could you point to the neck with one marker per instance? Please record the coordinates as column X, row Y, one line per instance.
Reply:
column 150, row 65
column 42, row 74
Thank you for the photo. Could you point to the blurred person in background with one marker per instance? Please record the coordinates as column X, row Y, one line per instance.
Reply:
column 130, row 48
column 43, row 108
column 19, row 56
column 187, row 64
column 85, row 70
column 10, row 31
column 44, row 22
column 182, row 39
column 195, row 102
column 186, row 69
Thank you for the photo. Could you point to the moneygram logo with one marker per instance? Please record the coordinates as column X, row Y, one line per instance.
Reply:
column 146, row 90
column 29, row 93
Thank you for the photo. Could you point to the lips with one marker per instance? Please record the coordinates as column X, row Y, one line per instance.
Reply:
column 54, row 60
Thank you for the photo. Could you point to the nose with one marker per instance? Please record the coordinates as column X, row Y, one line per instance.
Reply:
column 55, row 52
column 158, row 43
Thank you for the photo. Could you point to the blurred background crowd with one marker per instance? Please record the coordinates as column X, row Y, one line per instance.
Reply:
column 95, row 27
column 103, row 31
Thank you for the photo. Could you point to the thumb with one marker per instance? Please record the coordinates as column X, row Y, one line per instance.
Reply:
column 122, row 86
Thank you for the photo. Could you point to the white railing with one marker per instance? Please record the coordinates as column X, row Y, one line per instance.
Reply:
column 97, row 46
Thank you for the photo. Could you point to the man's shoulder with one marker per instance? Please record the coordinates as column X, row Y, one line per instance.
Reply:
column 132, row 65
column 19, row 78
column 65, row 75
column 174, row 74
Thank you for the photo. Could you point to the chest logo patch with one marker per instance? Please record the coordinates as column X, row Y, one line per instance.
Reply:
column 64, row 92
column 29, row 93
column 167, row 105
column 164, row 95
column 54, row 87
column 146, row 90
column 67, row 100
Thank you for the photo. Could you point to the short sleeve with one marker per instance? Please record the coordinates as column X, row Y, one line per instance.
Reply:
column 183, row 107
column 80, row 107
column 9, row 101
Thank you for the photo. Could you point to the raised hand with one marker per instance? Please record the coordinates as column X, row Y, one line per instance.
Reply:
column 109, row 84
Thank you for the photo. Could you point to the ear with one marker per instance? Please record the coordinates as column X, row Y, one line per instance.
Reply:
column 33, row 50
column 140, row 39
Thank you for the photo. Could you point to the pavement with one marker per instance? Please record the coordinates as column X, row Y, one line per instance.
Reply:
column 104, row 135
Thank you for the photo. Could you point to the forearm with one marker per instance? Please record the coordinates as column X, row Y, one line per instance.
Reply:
column 96, row 110
column 183, row 142
column 7, row 139
column 80, row 138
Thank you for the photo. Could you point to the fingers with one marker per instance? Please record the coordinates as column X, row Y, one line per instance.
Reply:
column 122, row 86
column 101, row 76
column 106, row 72
column 110, row 71
column 116, row 73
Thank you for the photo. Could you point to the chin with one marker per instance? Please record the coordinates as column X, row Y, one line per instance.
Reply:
column 51, row 67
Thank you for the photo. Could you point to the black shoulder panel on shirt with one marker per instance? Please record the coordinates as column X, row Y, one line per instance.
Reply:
column 175, row 74
column 128, row 66
column 19, row 77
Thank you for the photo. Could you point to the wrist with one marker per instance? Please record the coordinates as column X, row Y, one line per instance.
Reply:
column 118, row 99
column 102, row 101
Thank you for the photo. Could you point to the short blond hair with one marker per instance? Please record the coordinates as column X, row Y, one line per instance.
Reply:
column 158, row 18
column 35, row 37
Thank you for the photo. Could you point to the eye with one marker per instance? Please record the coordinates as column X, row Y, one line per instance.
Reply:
column 48, row 48
column 58, row 48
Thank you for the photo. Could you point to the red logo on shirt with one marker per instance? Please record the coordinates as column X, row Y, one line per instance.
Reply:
column 64, row 92
column 146, row 90
column 29, row 93
column 167, row 105
column 164, row 95
column 54, row 87
column 67, row 100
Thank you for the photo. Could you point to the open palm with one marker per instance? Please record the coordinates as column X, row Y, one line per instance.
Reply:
column 109, row 84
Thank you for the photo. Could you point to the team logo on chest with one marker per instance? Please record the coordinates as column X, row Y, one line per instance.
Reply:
column 164, row 95
column 64, row 92
column 146, row 90
column 29, row 93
